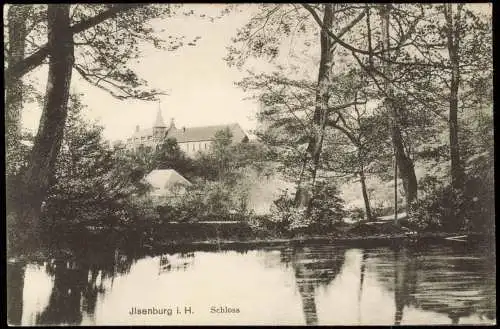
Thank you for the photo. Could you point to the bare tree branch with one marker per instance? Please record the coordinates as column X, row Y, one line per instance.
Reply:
column 96, row 80
column 336, row 38
column 343, row 106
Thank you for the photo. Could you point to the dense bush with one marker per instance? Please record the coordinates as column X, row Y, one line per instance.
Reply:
column 381, row 209
column 282, row 210
column 326, row 209
column 92, row 182
column 473, row 209
column 183, row 208
column 140, row 210
column 356, row 214
column 479, row 193
column 206, row 201
column 437, row 209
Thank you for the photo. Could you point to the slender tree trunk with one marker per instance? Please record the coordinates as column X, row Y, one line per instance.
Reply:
column 301, row 196
column 16, row 18
column 50, row 132
column 453, row 43
column 364, row 190
column 403, row 162
column 305, row 194
column 385, row 18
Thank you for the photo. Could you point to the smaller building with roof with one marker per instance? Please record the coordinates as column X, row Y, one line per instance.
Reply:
column 166, row 183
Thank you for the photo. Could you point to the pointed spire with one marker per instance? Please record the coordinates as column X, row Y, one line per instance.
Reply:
column 159, row 118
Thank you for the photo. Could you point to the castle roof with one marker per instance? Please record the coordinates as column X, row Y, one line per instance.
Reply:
column 143, row 133
column 196, row 134
column 205, row 133
column 159, row 122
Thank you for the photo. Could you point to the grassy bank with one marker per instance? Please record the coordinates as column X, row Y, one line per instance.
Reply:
column 153, row 237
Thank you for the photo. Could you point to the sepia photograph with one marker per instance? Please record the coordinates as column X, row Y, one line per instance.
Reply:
column 249, row 164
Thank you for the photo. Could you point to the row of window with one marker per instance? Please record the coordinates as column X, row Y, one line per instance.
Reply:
column 183, row 146
column 187, row 147
column 193, row 146
column 143, row 138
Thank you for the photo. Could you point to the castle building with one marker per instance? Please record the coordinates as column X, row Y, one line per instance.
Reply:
column 191, row 140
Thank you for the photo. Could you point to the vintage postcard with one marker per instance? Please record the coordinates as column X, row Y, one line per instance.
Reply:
column 249, row 164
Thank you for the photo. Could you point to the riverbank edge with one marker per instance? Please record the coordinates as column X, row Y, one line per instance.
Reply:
column 316, row 239
column 372, row 241
column 211, row 245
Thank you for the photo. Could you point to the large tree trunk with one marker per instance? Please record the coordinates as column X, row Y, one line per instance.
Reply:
column 36, row 59
column 50, row 132
column 305, row 194
column 453, row 43
column 16, row 18
column 406, row 169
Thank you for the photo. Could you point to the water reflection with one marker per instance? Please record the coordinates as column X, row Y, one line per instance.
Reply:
column 310, row 284
column 70, row 283
column 405, row 282
column 440, row 280
column 313, row 267
column 15, row 286
column 76, row 285
column 362, row 270
column 175, row 262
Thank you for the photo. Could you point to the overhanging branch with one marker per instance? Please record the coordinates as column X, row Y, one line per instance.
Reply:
column 34, row 60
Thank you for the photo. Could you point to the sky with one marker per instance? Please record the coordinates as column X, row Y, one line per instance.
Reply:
column 199, row 84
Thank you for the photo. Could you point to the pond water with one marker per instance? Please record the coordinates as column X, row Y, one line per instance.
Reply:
column 303, row 284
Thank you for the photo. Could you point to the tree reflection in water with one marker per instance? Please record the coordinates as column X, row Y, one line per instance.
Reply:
column 175, row 262
column 362, row 271
column 427, row 279
column 313, row 266
column 405, row 281
column 15, row 285
column 64, row 302
column 473, row 294
column 79, row 282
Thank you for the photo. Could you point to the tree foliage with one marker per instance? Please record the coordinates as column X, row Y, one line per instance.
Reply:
column 92, row 181
column 398, row 53
column 94, row 34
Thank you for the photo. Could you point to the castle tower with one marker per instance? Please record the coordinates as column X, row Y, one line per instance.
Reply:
column 172, row 124
column 159, row 126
